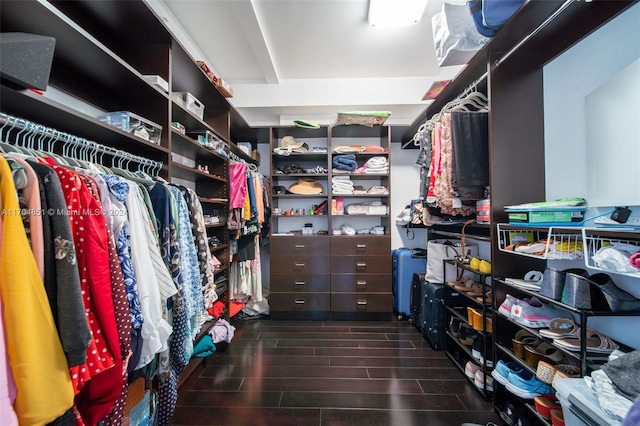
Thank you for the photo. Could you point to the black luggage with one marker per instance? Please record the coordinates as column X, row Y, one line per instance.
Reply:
column 416, row 299
column 433, row 312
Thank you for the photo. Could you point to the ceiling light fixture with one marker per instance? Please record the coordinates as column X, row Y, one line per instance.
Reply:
column 395, row 13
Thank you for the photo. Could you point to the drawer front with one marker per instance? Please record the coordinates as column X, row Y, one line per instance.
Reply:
column 302, row 302
column 296, row 265
column 287, row 246
column 360, row 245
column 350, row 302
column 361, row 264
column 359, row 283
column 300, row 283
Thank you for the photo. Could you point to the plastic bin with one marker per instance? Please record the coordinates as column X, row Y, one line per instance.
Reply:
column 133, row 123
column 190, row 103
column 580, row 406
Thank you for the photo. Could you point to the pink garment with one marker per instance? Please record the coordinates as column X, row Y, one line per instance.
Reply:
column 31, row 194
column 7, row 385
column 238, row 185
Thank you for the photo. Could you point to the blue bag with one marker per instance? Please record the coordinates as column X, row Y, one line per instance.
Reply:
column 495, row 13
column 475, row 7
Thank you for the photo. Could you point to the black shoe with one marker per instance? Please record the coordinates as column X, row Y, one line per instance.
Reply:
column 510, row 414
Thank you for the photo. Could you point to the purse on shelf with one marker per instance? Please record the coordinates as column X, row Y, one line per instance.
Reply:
column 419, row 214
column 440, row 250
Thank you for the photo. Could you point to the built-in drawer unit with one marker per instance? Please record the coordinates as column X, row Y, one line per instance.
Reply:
column 360, row 283
column 366, row 302
column 361, row 264
column 360, row 245
column 301, row 283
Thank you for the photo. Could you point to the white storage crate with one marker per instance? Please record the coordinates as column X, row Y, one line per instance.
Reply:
column 190, row 103
column 133, row 123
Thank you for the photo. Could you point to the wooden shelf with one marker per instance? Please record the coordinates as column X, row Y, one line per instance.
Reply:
column 183, row 172
column 213, row 200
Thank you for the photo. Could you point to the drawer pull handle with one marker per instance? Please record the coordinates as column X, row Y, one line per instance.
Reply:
column 299, row 301
column 300, row 246
column 362, row 302
column 299, row 265
column 361, row 265
column 299, row 283
column 361, row 284
column 361, row 247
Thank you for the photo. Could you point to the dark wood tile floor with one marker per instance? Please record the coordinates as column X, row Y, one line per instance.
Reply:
column 329, row 373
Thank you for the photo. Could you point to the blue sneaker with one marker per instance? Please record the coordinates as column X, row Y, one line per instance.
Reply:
column 503, row 369
column 525, row 385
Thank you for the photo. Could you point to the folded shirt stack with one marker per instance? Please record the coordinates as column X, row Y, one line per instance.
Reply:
column 341, row 185
column 378, row 190
column 359, row 190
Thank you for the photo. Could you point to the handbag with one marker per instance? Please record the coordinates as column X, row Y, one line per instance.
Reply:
column 419, row 214
column 495, row 13
column 475, row 7
column 440, row 250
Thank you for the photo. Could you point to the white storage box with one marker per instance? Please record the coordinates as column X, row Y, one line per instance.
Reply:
column 158, row 81
column 580, row 405
column 183, row 160
column 133, row 123
column 189, row 102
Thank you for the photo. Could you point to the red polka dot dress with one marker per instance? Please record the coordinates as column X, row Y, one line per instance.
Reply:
column 95, row 391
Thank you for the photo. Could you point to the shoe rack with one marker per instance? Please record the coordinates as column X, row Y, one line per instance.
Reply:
column 583, row 243
column 471, row 310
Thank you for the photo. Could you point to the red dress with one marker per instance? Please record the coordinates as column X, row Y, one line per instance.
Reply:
column 96, row 389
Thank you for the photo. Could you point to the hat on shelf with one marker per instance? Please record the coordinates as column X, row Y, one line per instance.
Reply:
column 306, row 186
column 306, row 124
column 293, row 145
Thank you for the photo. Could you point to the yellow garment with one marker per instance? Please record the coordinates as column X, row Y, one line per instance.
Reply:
column 257, row 184
column 38, row 364
column 246, row 208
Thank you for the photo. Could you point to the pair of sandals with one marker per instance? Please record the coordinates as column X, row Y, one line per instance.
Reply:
column 566, row 334
column 470, row 287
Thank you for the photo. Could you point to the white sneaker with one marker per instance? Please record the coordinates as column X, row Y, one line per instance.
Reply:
column 470, row 370
column 480, row 379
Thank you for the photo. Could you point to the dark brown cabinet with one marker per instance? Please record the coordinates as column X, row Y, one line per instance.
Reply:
column 335, row 276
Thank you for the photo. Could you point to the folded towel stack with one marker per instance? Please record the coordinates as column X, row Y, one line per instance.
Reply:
column 375, row 165
column 345, row 162
column 341, row 185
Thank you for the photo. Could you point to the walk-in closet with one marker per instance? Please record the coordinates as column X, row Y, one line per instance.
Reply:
column 284, row 212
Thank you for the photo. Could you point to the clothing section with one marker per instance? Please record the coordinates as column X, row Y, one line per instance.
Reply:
column 249, row 200
column 108, row 273
column 454, row 156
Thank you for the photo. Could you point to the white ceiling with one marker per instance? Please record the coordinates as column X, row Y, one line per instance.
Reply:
column 309, row 59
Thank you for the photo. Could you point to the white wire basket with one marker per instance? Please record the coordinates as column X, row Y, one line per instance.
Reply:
column 547, row 243
column 622, row 241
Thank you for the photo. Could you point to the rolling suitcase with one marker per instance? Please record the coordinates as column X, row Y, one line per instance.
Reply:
column 433, row 315
column 416, row 299
column 406, row 262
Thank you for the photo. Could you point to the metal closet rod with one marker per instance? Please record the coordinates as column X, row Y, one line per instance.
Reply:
column 546, row 22
column 91, row 148
column 515, row 48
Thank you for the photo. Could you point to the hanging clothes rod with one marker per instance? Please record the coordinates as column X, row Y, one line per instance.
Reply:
column 73, row 146
column 540, row 27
